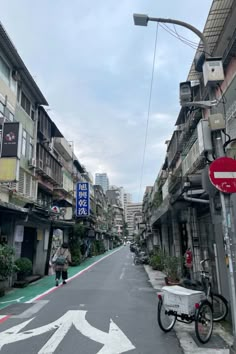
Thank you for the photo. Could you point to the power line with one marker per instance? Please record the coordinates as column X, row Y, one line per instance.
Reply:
column 185, row 40
column 148, row 113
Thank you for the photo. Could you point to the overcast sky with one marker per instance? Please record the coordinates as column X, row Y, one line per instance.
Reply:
column 94, row 67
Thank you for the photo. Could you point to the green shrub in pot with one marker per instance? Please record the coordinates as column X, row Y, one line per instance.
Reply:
column 24, row 266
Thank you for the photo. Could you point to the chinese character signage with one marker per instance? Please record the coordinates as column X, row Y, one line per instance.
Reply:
column 82, row 199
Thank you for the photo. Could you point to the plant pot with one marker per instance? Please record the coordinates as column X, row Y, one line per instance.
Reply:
column 21, row 276
column 170, row 281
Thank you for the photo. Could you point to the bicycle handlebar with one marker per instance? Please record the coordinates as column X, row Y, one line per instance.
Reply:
column 203, row 261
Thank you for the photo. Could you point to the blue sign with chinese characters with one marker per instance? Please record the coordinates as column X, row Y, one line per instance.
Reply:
column 82, row 199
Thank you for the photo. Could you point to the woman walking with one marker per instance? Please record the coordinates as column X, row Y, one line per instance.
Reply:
column 61, row 260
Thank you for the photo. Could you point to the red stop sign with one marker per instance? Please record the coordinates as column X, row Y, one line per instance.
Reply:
column 222, row 173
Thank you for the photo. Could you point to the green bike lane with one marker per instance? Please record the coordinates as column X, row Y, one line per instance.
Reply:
column 46, row 285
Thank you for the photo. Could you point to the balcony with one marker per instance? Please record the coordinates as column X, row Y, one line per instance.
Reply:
column 48, row 173
column 193, row 160
column 63, row 148
column 174, row 149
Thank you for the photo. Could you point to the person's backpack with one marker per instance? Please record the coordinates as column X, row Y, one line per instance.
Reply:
column 61, row 259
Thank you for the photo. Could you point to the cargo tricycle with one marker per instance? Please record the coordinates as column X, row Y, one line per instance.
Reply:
column 187, row 306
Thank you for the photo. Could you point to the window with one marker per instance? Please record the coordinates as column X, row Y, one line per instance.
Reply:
column 25, row 103
column 1, row 108
column 23, row 150
column 11, row 117
column 5, row 71
column 30, row 148
column 18, row 92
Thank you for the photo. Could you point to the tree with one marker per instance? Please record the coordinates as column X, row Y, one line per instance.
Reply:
column 77, row 234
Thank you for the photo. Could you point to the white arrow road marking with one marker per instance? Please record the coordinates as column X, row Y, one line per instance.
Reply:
column 115, row 341
column 225, row 174
column 16, row 300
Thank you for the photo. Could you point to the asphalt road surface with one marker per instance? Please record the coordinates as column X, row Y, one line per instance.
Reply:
column 111, row 308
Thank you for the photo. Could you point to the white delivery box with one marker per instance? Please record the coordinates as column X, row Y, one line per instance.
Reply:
column 181, row 300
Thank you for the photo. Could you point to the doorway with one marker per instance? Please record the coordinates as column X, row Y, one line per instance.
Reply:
column 29, row 243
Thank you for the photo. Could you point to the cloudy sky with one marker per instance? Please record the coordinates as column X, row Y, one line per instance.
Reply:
column 94, row 67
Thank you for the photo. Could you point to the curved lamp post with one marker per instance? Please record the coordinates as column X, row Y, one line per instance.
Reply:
column 142, row 20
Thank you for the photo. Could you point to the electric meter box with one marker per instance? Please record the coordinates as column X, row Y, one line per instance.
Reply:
column 204, row 136
column 216, row 121
column 185, row 92
column 213, row 72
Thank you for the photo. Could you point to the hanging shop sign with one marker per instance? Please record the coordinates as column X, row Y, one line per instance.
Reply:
column 82, row 199
column 11, row 139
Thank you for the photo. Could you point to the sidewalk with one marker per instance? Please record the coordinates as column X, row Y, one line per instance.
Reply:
column 220, row 341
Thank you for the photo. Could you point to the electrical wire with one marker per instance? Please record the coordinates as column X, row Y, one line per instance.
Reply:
column 186, row 41
column 148, row 112
column 167, row 29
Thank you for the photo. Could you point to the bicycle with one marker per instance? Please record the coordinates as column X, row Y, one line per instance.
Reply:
column 187, row 306
column 219, row 303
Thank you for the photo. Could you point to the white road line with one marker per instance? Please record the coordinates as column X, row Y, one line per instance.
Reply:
column 32, row 310
column 122, row 274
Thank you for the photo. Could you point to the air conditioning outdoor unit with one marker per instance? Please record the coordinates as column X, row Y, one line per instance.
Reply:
column 32, row 163
column 40, row 164
column 48, row 171
column 16, row 75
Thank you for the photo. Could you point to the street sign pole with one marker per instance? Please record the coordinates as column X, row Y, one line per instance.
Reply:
column 228, row 233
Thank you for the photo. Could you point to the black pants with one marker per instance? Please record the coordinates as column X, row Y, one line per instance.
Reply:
column 63, row 273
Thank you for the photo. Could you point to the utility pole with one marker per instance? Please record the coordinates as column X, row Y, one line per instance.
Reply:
column 228, row 227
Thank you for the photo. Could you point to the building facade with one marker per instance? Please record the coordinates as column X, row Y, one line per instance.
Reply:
column 102, row 180
column 134, row 215
column 184, row 210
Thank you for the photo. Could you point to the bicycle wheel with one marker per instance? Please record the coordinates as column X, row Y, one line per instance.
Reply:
column 220, row 307
column 165, row 322
column 204, row 322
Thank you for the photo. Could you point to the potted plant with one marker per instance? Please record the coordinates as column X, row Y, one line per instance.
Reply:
column 172, row 269
column 7, row 265
column 24, row 268
column 157, row 260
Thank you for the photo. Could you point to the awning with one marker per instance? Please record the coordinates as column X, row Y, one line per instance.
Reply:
column 12, row 207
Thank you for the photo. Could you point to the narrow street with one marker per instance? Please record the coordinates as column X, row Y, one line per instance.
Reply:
column 75, row 318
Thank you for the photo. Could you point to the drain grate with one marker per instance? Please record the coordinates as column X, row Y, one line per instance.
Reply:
column 15, row 309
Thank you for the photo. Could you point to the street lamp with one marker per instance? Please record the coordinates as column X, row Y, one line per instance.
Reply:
column 142, row 20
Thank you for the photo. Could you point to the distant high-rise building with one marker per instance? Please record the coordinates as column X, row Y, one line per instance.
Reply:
column 113, row 196
column 134, row 216
column 127, row 199
column 102, row 180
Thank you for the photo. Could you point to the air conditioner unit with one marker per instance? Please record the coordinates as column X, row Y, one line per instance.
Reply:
column 47, row 161
column 32, row 163
column 48, row 171
column 16, row 75
column 40, row 164
column 59, row 159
